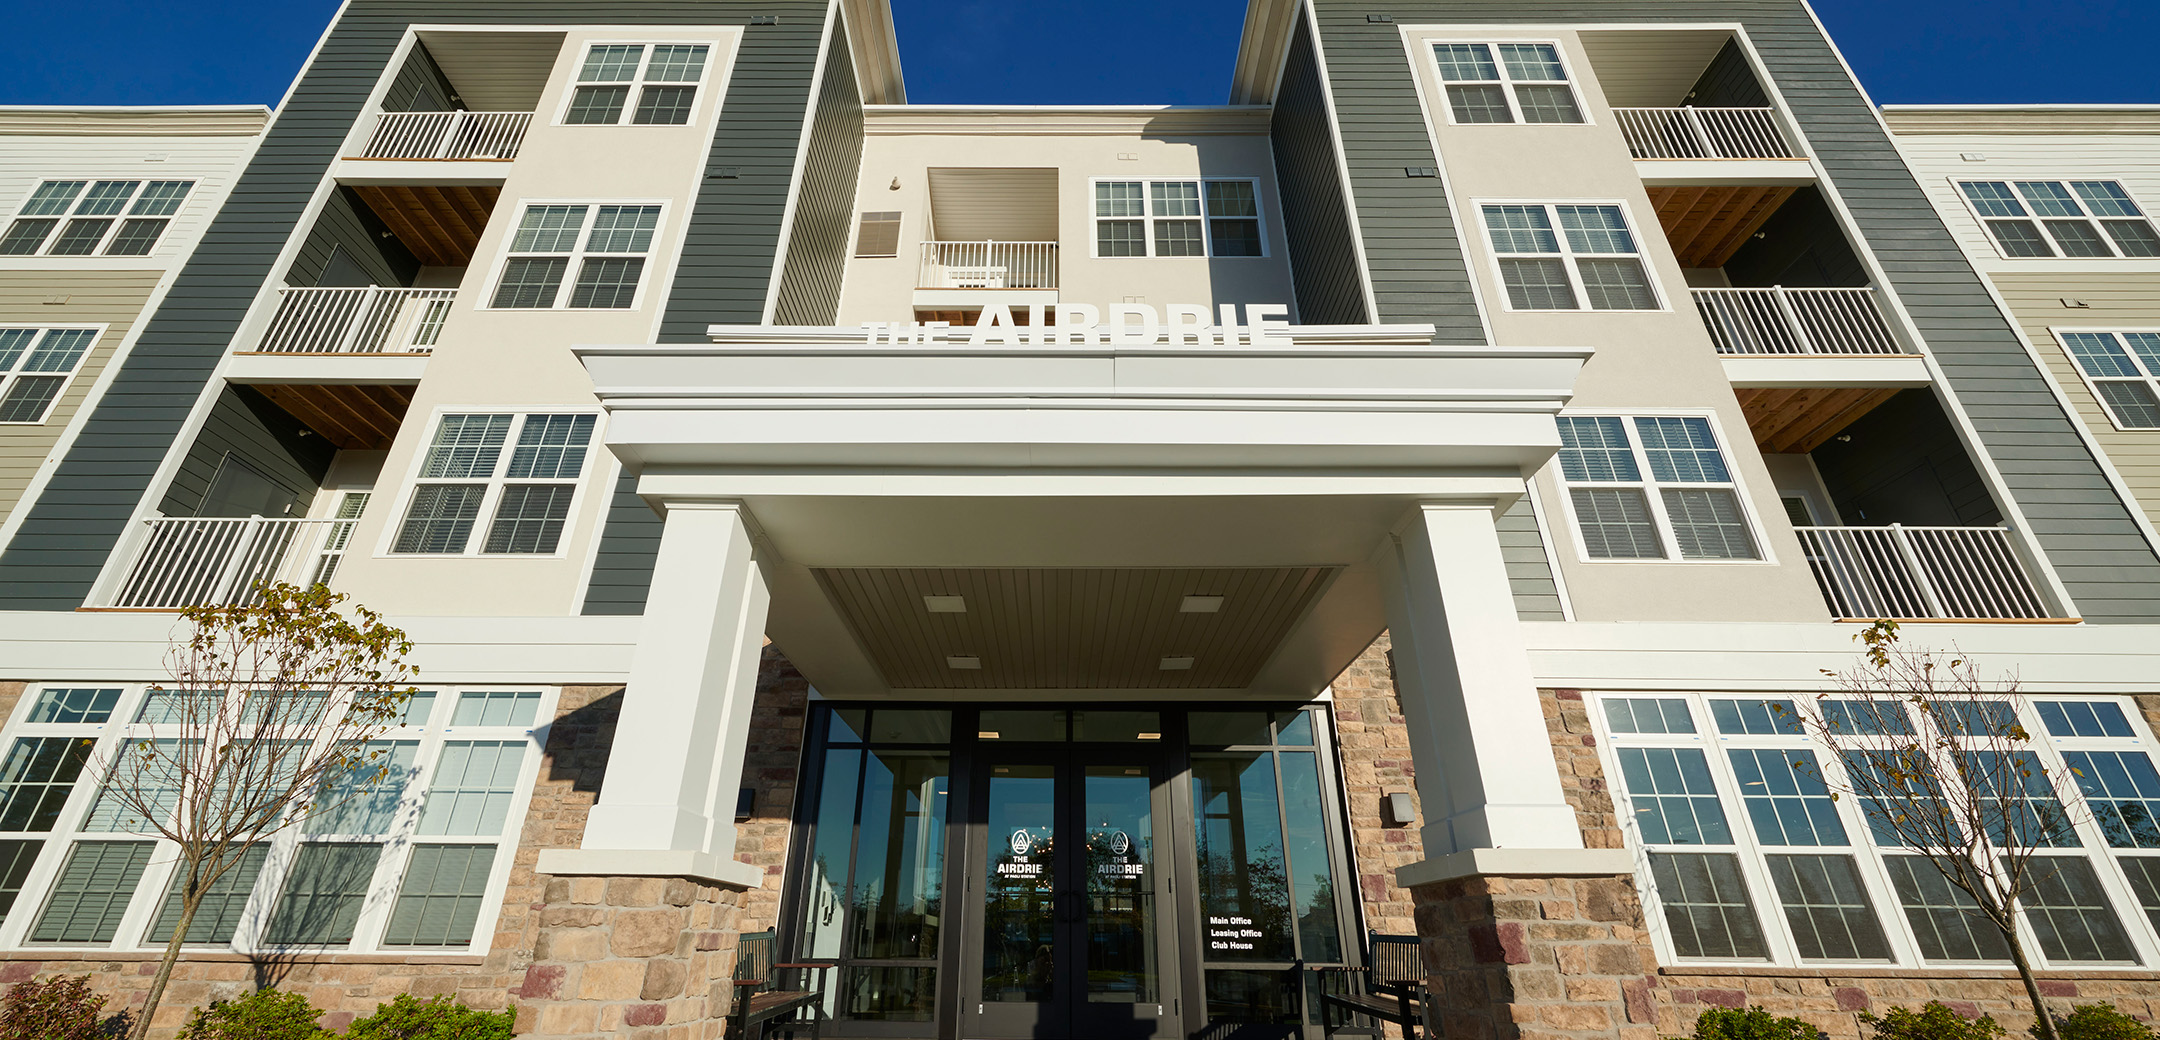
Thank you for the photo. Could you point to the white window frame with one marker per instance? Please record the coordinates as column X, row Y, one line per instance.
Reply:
column 11, row 375
column 432, row 733
column 1651, row 488
column 637, row 82
column 1507, row 86
column 119, row 218
column 1147, row 230
column 2151, row 377
column 1870, row 857
column 1568, row 257
column 496, row 481
column 2040, row 223
column 576, row 257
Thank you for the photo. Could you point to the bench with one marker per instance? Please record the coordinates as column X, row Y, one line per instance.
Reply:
column 761, row 995
column 1390, row 987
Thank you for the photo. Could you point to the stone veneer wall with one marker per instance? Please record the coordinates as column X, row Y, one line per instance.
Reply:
column 638, row 958
column 1374, row 749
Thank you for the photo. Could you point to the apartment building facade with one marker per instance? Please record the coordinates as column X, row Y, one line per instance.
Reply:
column 1074, row 571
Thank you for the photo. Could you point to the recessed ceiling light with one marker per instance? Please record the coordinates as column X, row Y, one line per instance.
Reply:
column 945, row 604
column 1200, row 605
column 1177, row 664
column 1150, row 736
column 968, row 663
column 989, row 734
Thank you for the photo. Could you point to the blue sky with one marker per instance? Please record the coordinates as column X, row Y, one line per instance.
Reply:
column 1072, row 51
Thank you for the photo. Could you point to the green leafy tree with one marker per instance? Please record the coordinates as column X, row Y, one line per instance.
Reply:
column 1964, row 790
column 265, row 1014
column 1752, row 1023
column 271, row 716
column 1934, row 1021
column 2098, row 1022
column 57, row 1007
column 405, row 1018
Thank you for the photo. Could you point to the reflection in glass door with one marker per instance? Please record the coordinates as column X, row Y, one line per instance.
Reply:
column 1123, row 951
column 1019, row 940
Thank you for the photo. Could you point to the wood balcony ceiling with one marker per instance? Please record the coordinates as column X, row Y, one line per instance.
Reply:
column 1800, row 420
column 439, row 223
column 1707, row 225
column 355, row 418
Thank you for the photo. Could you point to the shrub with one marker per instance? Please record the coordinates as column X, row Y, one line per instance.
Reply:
column 406, row 1018
column 1934, row 1021
column 58, row 1007
column 2098, row 1022
column 265, row 1014
column 1751, row 1024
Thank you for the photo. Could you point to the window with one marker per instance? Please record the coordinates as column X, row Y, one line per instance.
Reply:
column 1178, row 218
column 1533, row 89
column 439, row 902
column 222, row 903
column 35, row 366
column 94, row 218
column 1565, row 257
column 2123, row 370
column 664, row 76
column 2082, row 219
column 605, row 244
column 1689, row 503
column 878, row 234
column 323, row 896
column 1749, row 857
column 93, row 892
column 531, row 487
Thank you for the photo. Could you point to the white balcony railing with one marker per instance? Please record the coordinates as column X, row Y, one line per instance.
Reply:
column 371, row 320
column 1703, row 133
column 204, row 561
column 1778, row 320
column 989, row 265
column 1921, row 572
column 447, row 135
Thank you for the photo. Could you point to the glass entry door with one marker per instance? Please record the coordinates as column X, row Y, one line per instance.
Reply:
column 1068, row 895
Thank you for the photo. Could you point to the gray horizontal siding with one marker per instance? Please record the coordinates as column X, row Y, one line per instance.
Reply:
column 1316, row 215
column 2084, row 527
column 1529, row 570
column 726, row 262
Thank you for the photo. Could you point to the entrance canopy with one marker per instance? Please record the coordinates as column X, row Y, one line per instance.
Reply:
column 1109, row 521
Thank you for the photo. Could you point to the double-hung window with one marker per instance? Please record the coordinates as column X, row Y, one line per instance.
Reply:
column 2080, row 219
column 1178, row 218
column 527, row 491
column 1526, row 84
column 35, row 365
column 664, row 78
column 2123, row 369
column 94, row 218
column 1750, row 858
column 606, row 244
column 1650, row 487
column 1568, row 256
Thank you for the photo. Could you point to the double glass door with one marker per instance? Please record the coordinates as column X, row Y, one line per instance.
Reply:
column 1069, row 896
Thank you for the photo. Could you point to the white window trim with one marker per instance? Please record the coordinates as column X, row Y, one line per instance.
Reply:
column 1147, row 195
column 577, row 256
column 119, row 219
column 1980, row 220
column 637, row 83
column 397, row 842
column 1447, row 108
column 1650, row 487
column 7, row 382
column 1868, row 856
column 1567, row 256
column 594, row 451
column 2152, row 375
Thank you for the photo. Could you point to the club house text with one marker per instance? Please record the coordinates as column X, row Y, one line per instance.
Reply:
column 1082, row 324
column 1225, row 933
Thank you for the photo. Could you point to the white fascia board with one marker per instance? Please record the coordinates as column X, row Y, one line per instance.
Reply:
column 665, row 485
column 426, row 173
column 1727, row 172
column 1793, row 371
column 2046, row 658
column 326, row 369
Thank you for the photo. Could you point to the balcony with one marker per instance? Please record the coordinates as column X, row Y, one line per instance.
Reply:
column 988, row 265
column 370, row 320
column 1704, row 133
column 459, row 136
column 1778, row 320
column 208, row 561
column 1964, row 573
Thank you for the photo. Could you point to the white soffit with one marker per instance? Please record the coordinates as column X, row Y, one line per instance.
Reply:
column 496, row 71
column 1072, row 628
column 1651, row 68
column 981, row 204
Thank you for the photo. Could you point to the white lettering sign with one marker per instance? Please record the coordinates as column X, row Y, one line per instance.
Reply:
column 1082, row 325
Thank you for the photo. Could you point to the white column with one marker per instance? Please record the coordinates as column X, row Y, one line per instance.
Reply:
column 1486, row 776
column 668, row 804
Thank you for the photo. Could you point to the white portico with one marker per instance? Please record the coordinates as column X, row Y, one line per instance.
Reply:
column 1075, row 507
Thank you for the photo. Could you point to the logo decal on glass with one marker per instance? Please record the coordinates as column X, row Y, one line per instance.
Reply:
column 1120, row 843
column 1022, row 842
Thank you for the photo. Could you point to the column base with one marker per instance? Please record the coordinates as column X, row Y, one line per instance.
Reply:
column 1516, row 863
column 660, row 863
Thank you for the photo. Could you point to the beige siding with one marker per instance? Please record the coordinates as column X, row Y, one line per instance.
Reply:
column 1939, row 161
column 212, row 162
column 111, row 298
column 2112, row 301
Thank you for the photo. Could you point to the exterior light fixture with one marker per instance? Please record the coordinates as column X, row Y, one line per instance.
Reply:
column 1200, row 605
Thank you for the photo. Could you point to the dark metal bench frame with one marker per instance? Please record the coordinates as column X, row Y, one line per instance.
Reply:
column 759, row 994
column 1394, row 983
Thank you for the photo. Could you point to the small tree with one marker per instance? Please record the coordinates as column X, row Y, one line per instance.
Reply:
column 270, row 718
column 1964, row 789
